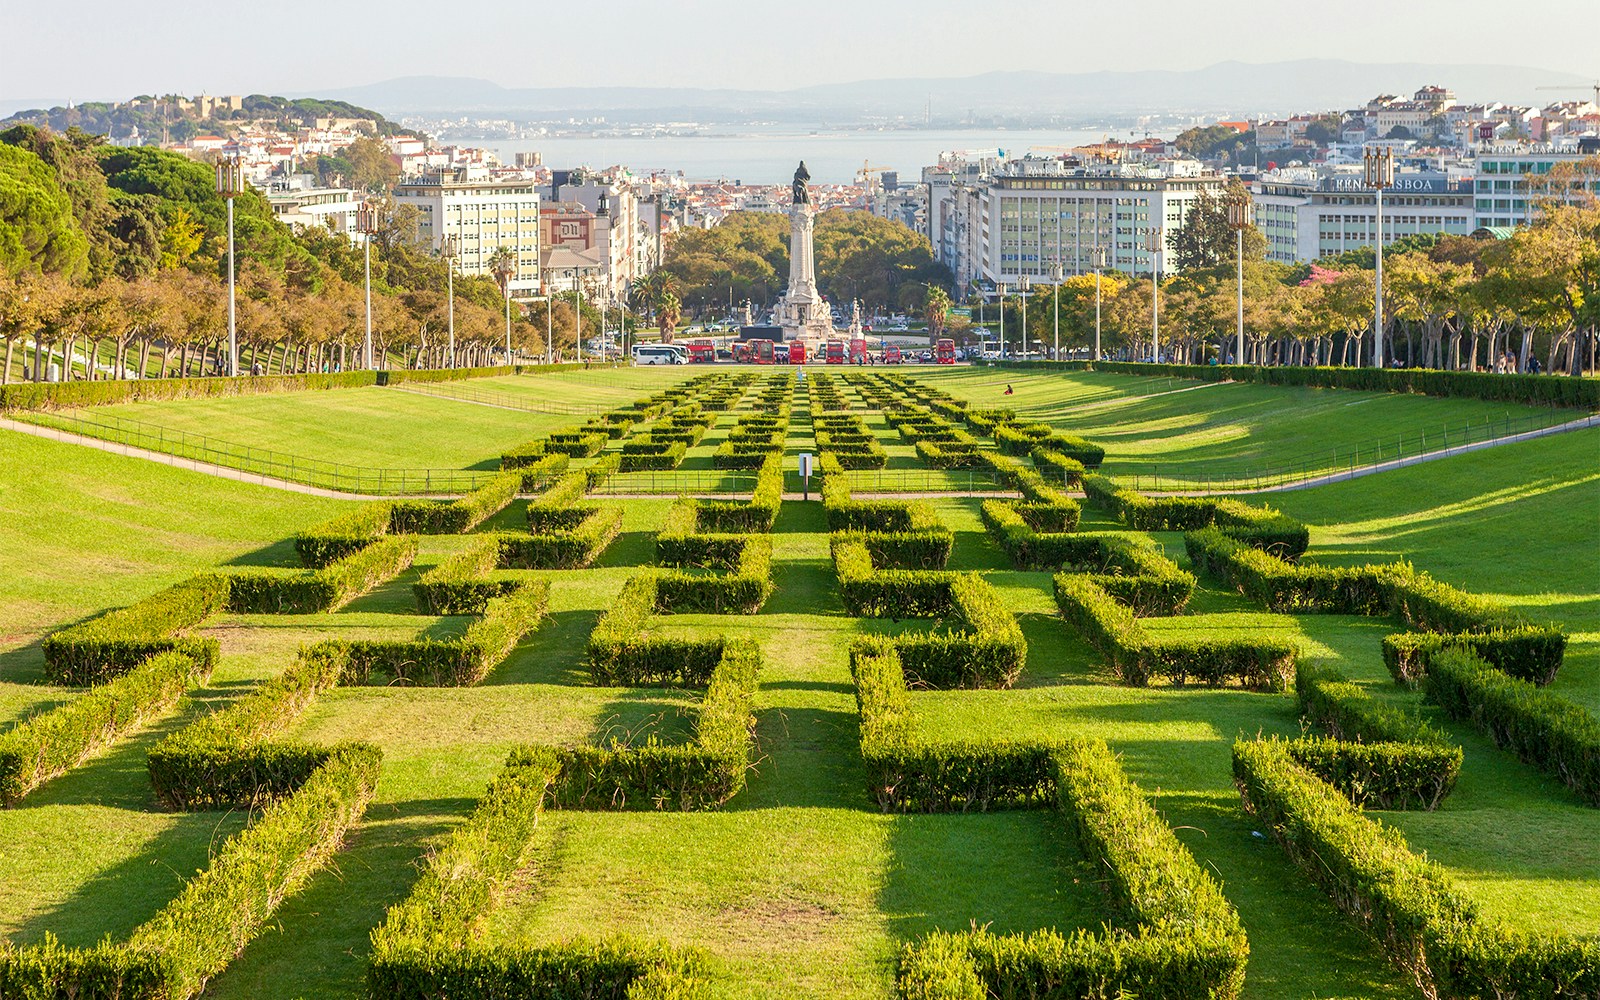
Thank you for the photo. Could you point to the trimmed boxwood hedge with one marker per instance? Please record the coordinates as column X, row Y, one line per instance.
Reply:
column 52, row 743
column 334, row 539
column 103, row 392
column 456, row 517
column 1261, row 527
column 459, row 662
column 102, row 648
column 1407, row 903
column 304, row 592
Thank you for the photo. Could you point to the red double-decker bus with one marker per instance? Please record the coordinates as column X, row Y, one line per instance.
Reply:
column 764, row 352
column 701, row 351
column 833, row 352
column 891, row 355
column 944, row 352
column 797, row 352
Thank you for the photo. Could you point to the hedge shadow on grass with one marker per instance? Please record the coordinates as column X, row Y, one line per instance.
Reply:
column 552, row 654
column 25, row 665
column 278, row 553
column 804, row 758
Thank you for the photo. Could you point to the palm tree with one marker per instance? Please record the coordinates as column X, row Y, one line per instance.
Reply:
column 503, row 265
column 668, row 311
column 936, row 310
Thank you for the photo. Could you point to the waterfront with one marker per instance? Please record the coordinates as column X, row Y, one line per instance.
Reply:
column 769, row 156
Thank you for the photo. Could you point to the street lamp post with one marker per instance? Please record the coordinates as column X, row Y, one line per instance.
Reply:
column 577, row 320
column 505, row 268
column 1027, row 287
column 1099, row 255
column 1241, row 216
column 1055, row 310
column 366, row 225
column 1153, row 243
column 230, row 181
column 448, row 252
column 1377, row 168
column 1002, row 322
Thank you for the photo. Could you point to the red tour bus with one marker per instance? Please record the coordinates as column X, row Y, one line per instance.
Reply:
column 891, row 355
column 701, row 352
column 741, row 351
column 858, row 351
column 944, row 352
column 835, row 352
column 764, row 352
column 797, row 352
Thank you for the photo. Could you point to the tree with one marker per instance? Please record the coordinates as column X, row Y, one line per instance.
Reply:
column 372, row 166
column 668, row 312
column 38, row 231
column 936, row 310
column 1205, row 240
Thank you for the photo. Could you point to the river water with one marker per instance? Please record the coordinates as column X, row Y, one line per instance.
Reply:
column 769, row 155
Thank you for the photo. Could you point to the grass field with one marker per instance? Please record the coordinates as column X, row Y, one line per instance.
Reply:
column 799, row 886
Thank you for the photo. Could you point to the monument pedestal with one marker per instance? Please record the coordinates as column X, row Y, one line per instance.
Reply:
column 802, row 312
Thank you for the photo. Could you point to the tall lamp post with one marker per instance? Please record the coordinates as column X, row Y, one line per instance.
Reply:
column 1002, row 321
column 1241, row 216
column 1098, row 254
column 505, row 268
column 1055, row 310
column 1027, row 287
column 230, row 181
column 1377, row 170
column 366, row 225
column 577, row 292
column 1153, row 243
column 448, row 252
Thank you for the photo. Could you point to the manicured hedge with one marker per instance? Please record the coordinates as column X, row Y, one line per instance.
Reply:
column 1538, row 390
column 1551, row 733
column 660, row 456
column 220, row 910
column 332, row 540
column 1408, row 904
column 52, row 743
column 1179, row 937
column 450, row 662
column 64, row 395
column 546, row 547
column 1259, row 664
column 701, row 775
column 1261, row 527
column 460, row 585
column 456, row 517
column 102, row 648
column 620, row 654
column 1501, row 635
column 844, row 513
column 327, row 589
column 1056, row 466
column 1382, row 775
column 756, row 515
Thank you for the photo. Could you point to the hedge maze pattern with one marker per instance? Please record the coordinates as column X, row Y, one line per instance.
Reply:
column 1169, row 928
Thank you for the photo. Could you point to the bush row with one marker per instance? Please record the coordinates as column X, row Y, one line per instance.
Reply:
column 456, row 517
column 1261, row 527
column 304, row 592
column 701, row 775
column 1499, row 634
column 52, row 743
column 1428, row 926
column 658, row 456
column 220, row 910
column 334, row 539
column 755, row 516
column 1538, row 390
column 844, row 513
column 1543, row 729
column 1258, row 664
column 457, row 662
column 66, row 395
column 621, row 653
column 102, row 648
column 1175, row 936
column 1056, row 466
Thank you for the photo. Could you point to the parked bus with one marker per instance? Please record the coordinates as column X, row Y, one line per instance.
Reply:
column 797, row 352
column 944, row 352
column 891, row 355
column 764, row 352
column 701, row 352
column 834, row 352
column 858, row 351
column 658, row 354
column 741, row 352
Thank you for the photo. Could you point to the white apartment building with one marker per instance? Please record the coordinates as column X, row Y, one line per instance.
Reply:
column 1032, row 214
column 628, row 249
column 483, row 215
column 298, row 202
column 1503, row 196
column 1307, row 214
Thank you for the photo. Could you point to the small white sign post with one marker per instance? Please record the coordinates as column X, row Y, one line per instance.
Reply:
column 805, row 475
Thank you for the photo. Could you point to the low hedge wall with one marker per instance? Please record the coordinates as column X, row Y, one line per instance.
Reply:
column 701, row 775
column 1056, row 466
column 344, row 535
column 1407, row 903
column 755, row 516
column 1261, row 527
column 576, row 444
column 563, row 548
column 1499, row 634
column 103, row 392
column 844, row 513
column 106, row 647
column 320, row 590
column 1382, row 775
column 1537, row 390
column 460, row 585
column 1543, row 729
column 1174, row 935
column 620, row 654
column 1258, row 664
column 52, row 743
column 456, row 517
column 659, row 457
column 450, row 662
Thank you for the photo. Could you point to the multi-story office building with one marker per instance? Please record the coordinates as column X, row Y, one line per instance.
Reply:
column 1507, row 188
column 483, row 214
column 297, row 201
column 1307, row 214
column 1032, row 214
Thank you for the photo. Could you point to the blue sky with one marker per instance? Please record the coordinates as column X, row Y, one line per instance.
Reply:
column 96, row 49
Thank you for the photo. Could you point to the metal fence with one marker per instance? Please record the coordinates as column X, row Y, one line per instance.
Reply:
column 678, row 482
column 263, row 462
column 472, row 394
column 1333, row 463
column 916, row 481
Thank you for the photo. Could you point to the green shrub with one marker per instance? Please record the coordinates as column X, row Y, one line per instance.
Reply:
column 594, row 530
column 1057, row 467
column 456, row 517
column 54, row 742
column 1405, row 901
column 102, row 648
column 1346, row 711
column 660, row 457
column 459, row 585
column 344, row 535
column 103, row 392
column 576, row 444
column 1553, row 734
column 1382, row 775
column 447, row 662
column 321, row 590
column 621, row 654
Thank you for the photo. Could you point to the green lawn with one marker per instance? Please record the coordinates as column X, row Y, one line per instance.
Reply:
column 799, row 886
column 1225, row 431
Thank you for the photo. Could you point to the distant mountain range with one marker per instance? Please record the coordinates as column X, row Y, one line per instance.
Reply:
column 1229, row 87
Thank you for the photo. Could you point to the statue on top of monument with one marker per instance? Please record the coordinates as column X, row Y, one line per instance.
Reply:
column 801, row 195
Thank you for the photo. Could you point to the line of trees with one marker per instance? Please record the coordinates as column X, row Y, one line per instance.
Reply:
column 115, row 260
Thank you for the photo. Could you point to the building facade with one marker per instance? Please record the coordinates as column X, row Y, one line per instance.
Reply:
column 1507, row 189
column 483, row 215
column 1307, row 214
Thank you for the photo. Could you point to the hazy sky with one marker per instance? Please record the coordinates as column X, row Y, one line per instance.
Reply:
column 98, row 49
